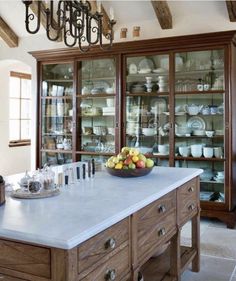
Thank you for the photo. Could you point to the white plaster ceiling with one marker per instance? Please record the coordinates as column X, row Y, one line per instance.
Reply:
column 204, row 15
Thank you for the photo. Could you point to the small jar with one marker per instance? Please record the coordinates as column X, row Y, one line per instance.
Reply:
column 2, row 191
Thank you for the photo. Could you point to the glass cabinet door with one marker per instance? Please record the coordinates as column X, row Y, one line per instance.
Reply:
column 146, row 116
column 200, row 119
column 56, row 114
column 96, row 107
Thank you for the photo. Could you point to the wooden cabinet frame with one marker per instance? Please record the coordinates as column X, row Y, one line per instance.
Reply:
column 220, row 40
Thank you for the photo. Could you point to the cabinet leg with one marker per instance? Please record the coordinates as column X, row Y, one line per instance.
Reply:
column 196, row 242
column 175, row 256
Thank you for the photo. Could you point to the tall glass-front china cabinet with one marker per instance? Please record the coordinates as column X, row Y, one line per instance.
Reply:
column 173, row 98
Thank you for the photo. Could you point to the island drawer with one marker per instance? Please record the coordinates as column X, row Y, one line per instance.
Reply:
column 98, row 247
column 116, row 268
column 155, row 211
column 23, row 258
column 159, row 233
column 188, row 198
column 9, row 278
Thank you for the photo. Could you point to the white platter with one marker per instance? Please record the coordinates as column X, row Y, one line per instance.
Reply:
column 21, row 194
column 146, row 64
column 196, row 123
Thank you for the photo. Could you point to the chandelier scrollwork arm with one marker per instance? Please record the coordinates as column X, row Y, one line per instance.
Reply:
column 29, row 16
column 75, row 20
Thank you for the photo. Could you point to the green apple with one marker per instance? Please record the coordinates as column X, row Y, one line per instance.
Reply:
column 149, row 163
column 132, row 166
column 110, row 164
column 142, row 157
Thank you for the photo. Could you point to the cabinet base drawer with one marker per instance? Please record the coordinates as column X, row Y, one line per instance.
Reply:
column 25, row 258
column 100, row 246
column 116, row 268
column 153, row 237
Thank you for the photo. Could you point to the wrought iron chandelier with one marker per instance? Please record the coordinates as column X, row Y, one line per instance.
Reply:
column 74, row 21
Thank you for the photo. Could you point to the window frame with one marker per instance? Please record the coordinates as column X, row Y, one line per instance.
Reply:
column 20, row 142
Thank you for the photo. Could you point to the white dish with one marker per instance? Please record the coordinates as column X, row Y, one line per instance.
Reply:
column 166, row 113
column 196, row 123
column 158, row 105
column 133, row 68
column 159, row 70
column 146, row 64
column 145, row 71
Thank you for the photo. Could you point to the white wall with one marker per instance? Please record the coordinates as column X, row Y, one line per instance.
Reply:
column 13, row 159
column 189, row 17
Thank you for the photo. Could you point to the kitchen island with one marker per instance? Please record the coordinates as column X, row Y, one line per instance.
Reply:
column 106, row 228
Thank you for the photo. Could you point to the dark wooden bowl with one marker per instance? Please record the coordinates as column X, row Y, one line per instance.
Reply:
column 129, row 173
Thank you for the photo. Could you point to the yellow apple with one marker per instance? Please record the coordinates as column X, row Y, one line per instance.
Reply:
column 135, row 159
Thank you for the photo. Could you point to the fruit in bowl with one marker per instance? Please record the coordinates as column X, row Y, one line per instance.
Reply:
column 129, row 163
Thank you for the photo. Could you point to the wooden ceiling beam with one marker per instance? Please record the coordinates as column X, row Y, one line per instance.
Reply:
column 7, row 34
column 231, row 7
column 163, row 14
column 105, row 19
column 34, row 9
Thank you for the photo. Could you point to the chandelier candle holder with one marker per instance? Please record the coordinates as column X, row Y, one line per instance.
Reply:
column 73, row 20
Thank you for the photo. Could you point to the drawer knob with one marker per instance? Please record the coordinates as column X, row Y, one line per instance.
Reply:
column 191, row 189
column 162, row 209
column 191, row 207
column 110, row 244
column 110, row 275
column 162, row 232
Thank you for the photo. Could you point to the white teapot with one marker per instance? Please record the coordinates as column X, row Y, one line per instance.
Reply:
column 193, row 109
column 67, row 144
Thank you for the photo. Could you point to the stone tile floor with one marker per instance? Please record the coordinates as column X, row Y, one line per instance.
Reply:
column 218, row 252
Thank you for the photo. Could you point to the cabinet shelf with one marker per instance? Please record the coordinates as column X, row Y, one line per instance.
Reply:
column 56, row 97
column 158, row 268
column 95, row 116
column 145, row 94
column 212, row 181
column 99, row 78
column 55, row 116
column 83, row 152
column 220, row 91
column 55, row 135
column 58, row 80
column 200, row 159
column 102, row 95
column 56, row 151
column 198, row 71
column 97, row 136
column 200, row 137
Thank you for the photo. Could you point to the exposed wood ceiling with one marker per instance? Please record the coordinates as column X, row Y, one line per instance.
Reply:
column 231, row 7
column 163, row 14
column 130, row 13
column 105, row 19
column 7, row 34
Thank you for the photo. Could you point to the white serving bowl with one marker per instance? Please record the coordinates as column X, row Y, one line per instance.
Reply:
column 210, row 134
column 149, row 131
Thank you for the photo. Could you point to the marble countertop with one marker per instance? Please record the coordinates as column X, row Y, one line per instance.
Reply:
column 82, row 210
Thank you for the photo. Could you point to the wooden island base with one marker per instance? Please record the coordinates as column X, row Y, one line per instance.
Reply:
column 119, row 252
